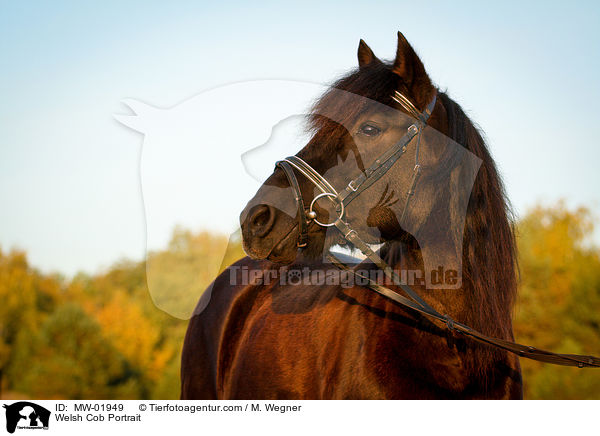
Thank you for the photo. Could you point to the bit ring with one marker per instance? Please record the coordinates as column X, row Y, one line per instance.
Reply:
column 312, row 203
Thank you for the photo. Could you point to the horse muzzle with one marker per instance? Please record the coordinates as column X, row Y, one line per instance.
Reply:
column 268, row 233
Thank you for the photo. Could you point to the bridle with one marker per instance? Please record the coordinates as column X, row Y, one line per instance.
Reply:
column 359, row 185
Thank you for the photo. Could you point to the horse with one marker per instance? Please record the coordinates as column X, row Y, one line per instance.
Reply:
column 278, row 339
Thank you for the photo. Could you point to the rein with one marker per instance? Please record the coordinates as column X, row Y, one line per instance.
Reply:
column 527, row 351
column 357, row 186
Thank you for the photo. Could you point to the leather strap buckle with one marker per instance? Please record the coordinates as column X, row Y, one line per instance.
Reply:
column 351, row 186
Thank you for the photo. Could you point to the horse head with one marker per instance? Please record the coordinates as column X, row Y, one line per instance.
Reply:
column 421, row 200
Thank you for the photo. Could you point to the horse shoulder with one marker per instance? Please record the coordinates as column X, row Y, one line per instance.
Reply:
column 202, row 351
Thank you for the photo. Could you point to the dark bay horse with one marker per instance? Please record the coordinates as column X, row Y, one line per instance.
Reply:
column 259, row 338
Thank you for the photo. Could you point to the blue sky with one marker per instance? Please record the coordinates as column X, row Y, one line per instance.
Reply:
column 526, row 72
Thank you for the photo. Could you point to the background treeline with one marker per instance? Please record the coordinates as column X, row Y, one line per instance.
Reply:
column 102, row 337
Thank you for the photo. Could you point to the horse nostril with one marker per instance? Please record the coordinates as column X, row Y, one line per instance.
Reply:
column 262, row 220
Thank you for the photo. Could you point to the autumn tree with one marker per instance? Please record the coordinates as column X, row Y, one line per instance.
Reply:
column 26, row 297
column 70, row 358
column 178, row 276
column 559, row 299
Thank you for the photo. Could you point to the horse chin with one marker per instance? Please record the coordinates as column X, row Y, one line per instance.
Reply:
column 286, row 250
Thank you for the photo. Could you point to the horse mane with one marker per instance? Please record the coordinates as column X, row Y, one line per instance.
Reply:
column 489, row 252
column 489, row 249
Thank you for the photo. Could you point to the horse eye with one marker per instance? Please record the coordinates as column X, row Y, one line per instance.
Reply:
column 369, row 130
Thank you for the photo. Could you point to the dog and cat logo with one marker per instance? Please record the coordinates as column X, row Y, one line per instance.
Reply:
column 26, row 415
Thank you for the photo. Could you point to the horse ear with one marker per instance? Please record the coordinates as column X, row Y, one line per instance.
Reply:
column 366, row 55
column 407, row 64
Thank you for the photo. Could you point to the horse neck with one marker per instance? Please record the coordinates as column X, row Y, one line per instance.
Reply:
column 470, row 304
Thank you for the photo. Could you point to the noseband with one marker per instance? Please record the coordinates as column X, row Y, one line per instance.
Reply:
column 360, row 184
